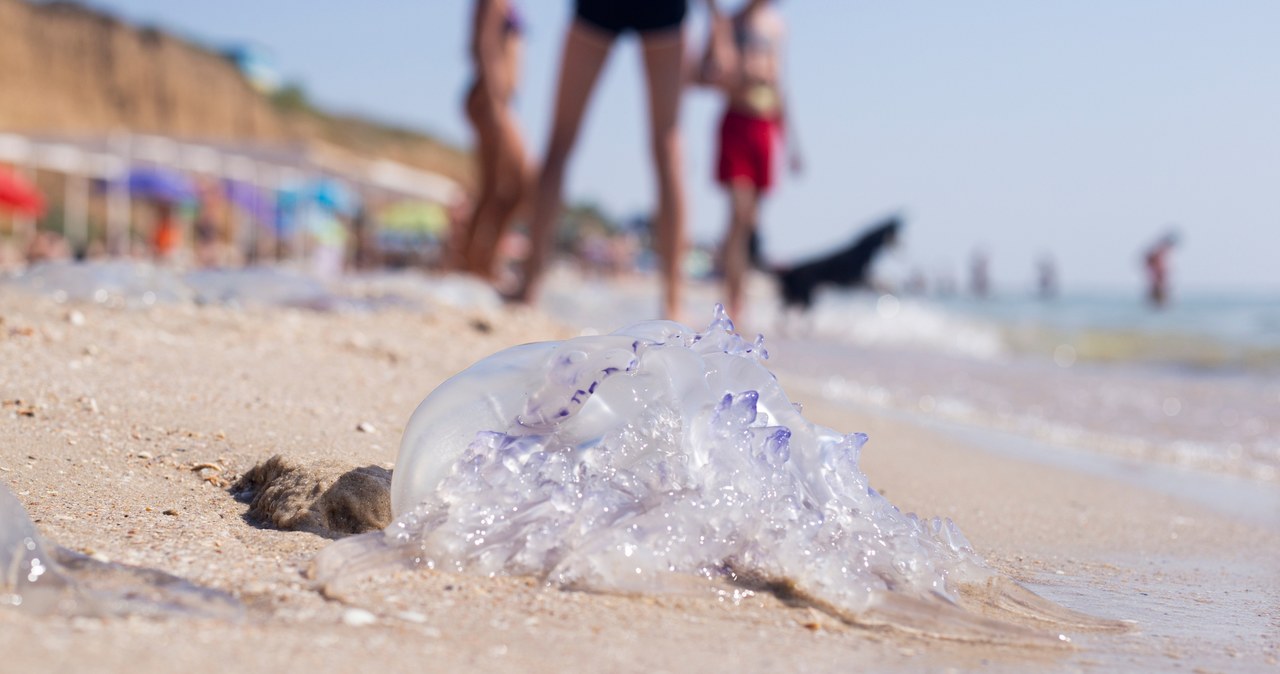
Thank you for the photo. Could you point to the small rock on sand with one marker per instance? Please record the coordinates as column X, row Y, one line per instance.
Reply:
column 323, row 497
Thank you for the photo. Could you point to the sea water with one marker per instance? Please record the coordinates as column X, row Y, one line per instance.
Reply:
column 1196, row 385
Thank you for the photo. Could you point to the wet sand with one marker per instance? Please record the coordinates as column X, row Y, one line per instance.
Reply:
column 122, row 428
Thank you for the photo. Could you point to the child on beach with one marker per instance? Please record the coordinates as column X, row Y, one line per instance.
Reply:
column 596, row 26
column 743, row 60
column 503, row 166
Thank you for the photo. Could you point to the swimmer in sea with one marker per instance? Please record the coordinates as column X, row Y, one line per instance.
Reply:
column 743, row 60
column 503, row 163
column 1157, row 264
column 596, row 26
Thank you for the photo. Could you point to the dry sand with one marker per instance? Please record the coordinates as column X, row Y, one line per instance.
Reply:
column 107, row 411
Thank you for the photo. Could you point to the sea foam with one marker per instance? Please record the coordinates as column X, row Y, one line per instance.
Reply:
column 628, row 461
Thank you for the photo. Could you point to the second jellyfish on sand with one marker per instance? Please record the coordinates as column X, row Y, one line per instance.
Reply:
column 41, row 578
column 629, row 462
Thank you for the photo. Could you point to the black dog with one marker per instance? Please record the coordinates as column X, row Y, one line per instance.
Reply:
column 848, row 267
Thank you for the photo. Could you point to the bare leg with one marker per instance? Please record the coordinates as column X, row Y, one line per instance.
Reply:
column 482, row 121
column 504, row 195
column 585, row 51
column 664, row 70
column 744, row 202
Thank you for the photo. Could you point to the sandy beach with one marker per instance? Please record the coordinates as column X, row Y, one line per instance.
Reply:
column 122, row 428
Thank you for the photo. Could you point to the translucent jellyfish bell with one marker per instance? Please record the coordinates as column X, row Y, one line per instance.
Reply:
column 28, row 574
column 614, row 462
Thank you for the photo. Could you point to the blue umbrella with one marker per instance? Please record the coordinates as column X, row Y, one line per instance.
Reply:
column 329, row 194
column 333, row 195
column 160, row 184
column 313, row 204
column 251, row 199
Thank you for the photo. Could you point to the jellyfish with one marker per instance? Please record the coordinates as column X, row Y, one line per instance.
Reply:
column 42, row 578
column 631, row 461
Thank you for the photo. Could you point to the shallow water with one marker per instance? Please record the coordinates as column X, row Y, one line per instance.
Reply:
column 632, row 461
column 1194, row 387
column 1219, row 422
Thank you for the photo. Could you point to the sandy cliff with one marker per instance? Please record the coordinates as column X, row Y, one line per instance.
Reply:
column 65, row 68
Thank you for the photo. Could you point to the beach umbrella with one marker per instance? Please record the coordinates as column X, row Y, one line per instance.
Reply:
column 333, row 195
column 327, row 193
column 415, row 217
column 160, row 184
column 19, row 195
column 252, row 200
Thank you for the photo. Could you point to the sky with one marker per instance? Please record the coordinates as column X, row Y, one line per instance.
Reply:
column 1080, row 130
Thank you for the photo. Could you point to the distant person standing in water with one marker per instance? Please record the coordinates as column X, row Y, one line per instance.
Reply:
column 744, row 61
column 1047, row 278
column 503, row 164
column 1156, row 261
column 596, row 26
column 979, row 276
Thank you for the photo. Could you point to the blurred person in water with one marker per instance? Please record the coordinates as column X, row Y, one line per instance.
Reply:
column 596, row 27
column 1156, row 261
column 1047, row 278
column 980, row 274
column 503, row 164
column 743, row 60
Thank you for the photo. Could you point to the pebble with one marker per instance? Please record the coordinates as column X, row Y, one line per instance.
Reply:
column 412, row 617
column 358, row 617
column 366, row 427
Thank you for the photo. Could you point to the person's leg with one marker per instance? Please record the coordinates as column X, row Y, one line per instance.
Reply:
column 585, row 51
column 510, row 186
column 482, row 211
column 664, row 69
column 743, row 211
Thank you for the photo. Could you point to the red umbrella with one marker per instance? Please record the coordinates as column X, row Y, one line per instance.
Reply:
column 18, row 194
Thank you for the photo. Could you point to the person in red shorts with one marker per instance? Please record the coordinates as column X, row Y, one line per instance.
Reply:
column 743, row 60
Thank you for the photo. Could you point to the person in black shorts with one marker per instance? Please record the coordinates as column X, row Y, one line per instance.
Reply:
column 596, row 26
column 617, row 17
